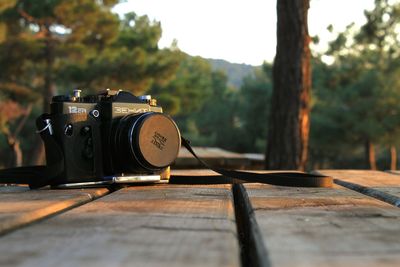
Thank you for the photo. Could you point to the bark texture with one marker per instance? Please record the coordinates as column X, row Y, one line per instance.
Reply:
column 370, row 154
column 289, row 122
column 393, row 158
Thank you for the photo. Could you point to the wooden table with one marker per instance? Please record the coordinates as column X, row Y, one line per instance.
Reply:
column 218, row 157
column 356, row 223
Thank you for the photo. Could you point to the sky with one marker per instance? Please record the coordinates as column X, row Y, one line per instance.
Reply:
column 239, row 31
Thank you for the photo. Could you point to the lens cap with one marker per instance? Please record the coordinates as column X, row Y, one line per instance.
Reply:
column 157, row 140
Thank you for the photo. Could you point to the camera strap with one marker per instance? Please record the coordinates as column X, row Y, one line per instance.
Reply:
column 39, row 176
column 294, row 179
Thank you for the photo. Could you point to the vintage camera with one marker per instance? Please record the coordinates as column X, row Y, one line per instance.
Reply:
column 110, row 135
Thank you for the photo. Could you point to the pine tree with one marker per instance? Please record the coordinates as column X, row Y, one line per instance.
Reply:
column 289, row 120
column 49, row 47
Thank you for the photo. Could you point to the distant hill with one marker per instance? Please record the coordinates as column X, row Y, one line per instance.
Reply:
column 235, row 72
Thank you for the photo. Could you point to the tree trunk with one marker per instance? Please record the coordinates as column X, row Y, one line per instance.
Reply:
column 17, row 153
column 38, row 154
column 289, row 122
column 370, row 155
column 393, row 158
column 13, row 143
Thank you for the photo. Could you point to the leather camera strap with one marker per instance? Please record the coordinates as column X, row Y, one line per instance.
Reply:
column 294, row 179
column 39, row 176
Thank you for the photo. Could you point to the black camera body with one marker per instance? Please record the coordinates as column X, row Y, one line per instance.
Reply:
column 111, row 133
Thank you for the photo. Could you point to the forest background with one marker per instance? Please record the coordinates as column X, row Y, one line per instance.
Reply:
column 51, row 47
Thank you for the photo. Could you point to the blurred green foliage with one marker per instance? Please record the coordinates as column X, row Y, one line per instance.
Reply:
column 50, row 47
column 355, row 99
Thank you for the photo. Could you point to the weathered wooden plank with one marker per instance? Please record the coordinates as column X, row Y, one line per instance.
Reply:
column 194, row 172
column 20, row 206
column 397, row 172
column 365, row 177
column 212, row 155
column 325, row 227
column 381, row 185
column 157, row 225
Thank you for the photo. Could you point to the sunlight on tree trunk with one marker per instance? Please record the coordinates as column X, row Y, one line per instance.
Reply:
column 393, row 158
column 38, row 157
column 14, row 144
column 370, row 154
column 11, row 111
column 289, row 122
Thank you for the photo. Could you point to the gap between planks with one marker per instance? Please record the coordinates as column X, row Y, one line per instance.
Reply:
column 383, row 186
column 368, row 191
column 252, row 248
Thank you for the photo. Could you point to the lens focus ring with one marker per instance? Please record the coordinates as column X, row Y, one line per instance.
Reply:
column 147, row 141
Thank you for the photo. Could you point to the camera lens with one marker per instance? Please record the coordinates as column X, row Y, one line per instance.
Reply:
column 148, row 141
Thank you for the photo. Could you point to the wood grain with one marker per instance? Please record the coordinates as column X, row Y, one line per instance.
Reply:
column 381, row 185
column 194, row 172
column 20, row 206
column 325, row 227
column 158, row 225
column 365, row 177
column 213, row 156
